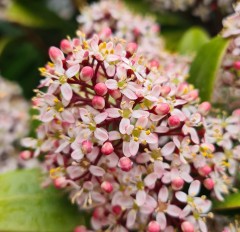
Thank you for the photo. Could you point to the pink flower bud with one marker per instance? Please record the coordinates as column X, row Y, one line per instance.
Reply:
column 100, row 89
column 193, row 95
column 80, row 229
column 154, row 63
column 115, row 93
column 236, row 113
column 55, row 54
column 87, row 146
column 236, row 65
column 177, row 183
column 132, row 47
column 60, row 182
column 165, row 90
column 153, row 226
column 26, row 155
column 208, row 183
column 117, row 209
column 204, row 108
column 98, row 213
column 173, row 121
column 162, row 109
column 66, row 46
column 205, row 170
column 107, row 187
column 86, row 73
column 125, row 164
column 105, row 33
column 187, row 227
column 98, row 102
column 107, row 148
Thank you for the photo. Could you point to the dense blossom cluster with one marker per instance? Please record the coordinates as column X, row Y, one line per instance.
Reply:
column 130, row 140
column 13, row 123
column 109, row 18
column 202, row 8
column 112, row 18
column 229, row 74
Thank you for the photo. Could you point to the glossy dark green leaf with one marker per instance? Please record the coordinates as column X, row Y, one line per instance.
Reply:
column 25, row 206
column 192, row 40
column 205, row 67
column 231, row 202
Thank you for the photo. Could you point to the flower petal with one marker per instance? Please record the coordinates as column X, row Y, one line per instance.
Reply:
column 101, row 134
column 73, row 70
column 66, row 91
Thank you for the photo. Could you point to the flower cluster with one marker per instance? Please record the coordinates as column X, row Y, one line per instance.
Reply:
column 229, row 73
column 202, row 8
column 112, row 18
column 127, row 140
column 13, row 123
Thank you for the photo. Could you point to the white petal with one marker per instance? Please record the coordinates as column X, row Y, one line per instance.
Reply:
column 68, row 116
column 100, row 117
column 47, row 116
column 129, row 94
column 163, row 194
column 168, row 149
column 131, row 218
column 96, row 171
column 173, row 210
column 181, row 196
column 161, row 219
column 111, row 84
column 124, row 124
column 161, row 129
column 179, row 113
column 141, row 197
column 73, row 70
column 114, row 135
column 194, row 188
column 133, row 147
column 101, row 134
column 113, row 112
column 140, row 113
column 111, row 70
column 150, row 179
column 66, row 91
column 77, row 154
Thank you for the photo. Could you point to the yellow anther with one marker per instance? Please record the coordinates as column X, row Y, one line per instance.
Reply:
column 61, row 109
column 148, row 132
column 135, row 139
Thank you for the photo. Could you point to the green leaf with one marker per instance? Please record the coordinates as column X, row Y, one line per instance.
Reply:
column 25, row 206
column 205, row 67
column 231, row 202
column 33, row 14
column 192, row 40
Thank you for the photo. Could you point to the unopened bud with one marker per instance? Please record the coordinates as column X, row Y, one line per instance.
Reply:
column 153, row 226
column 204, row 108
column 26, row 155
column 117, row 209
column 86, row 73
column 187, row 227
column 177, row 183
column 107, row 148
column 55, row 54
column 107, row 186
column 100, row 89
column 66, row 46
column 80, row 229
column 173, row 121
column 115, row 93
column 87, row 146
column 237, row 65
column 165, row 90
column 132, row 47
column 208, row 183
column 125, row 164
column 162, row 109
column 205, row 170
column 60, row 182
column 98, row 102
